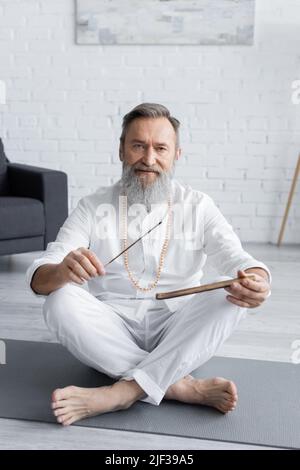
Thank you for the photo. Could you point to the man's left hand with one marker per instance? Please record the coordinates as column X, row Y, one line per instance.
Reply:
column 248, row 293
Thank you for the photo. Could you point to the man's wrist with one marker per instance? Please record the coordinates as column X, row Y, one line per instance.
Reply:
column 260, row 271
column 59, row 274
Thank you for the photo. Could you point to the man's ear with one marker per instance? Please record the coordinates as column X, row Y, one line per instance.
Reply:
column 121, row 153
column 178, row 153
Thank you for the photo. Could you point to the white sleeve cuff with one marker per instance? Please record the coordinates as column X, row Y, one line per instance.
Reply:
column 31, row 270
column 256, row 264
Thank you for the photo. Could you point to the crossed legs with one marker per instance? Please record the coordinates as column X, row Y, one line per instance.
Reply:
column 98, row 336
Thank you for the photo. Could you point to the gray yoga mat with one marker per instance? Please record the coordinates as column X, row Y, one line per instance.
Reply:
column 268, row 412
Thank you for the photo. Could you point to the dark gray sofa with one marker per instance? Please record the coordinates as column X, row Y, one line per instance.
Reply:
column 33, row 206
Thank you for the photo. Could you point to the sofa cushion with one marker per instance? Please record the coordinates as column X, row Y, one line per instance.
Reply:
column 21, row 217
column 3, row 171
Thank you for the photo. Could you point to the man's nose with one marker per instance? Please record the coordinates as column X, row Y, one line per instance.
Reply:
column 149, row 157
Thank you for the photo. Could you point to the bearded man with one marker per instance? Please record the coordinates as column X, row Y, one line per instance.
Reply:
column 114, row 323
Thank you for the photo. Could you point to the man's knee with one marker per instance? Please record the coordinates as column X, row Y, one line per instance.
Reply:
column 59, row 303
column 215, row 304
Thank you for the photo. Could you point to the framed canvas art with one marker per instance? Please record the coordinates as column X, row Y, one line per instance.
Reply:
column 165, row 22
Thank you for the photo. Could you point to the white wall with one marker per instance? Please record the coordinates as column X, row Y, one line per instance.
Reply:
column 240, row 129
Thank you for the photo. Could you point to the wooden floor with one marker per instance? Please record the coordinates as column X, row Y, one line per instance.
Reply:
column 266, row 334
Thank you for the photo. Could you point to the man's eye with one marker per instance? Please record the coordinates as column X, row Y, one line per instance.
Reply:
column 161, row 149
column 137, row 146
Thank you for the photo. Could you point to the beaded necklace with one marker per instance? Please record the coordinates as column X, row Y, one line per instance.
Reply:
column 153, row 284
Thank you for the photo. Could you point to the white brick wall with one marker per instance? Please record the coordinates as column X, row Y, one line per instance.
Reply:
column 240, row 130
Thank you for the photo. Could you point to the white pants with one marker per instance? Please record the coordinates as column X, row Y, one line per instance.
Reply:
column 141, row 339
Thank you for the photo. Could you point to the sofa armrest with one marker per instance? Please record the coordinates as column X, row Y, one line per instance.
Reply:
column 49, row 186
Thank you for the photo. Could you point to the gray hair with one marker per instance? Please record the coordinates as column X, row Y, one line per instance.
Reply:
column 149, row 110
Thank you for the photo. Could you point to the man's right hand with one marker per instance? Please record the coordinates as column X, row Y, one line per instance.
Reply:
column 80, row 265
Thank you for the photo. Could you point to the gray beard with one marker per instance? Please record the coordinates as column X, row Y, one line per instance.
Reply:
column 137, row 193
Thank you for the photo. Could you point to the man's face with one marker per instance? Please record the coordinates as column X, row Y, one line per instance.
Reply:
column 150, row 148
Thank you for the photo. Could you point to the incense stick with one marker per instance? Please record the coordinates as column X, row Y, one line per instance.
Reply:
column 127, row 248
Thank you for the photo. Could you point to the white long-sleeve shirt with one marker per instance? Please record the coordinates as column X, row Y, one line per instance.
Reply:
column 95, row 224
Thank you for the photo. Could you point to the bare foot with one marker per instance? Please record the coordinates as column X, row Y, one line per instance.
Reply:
column 72, row 403
column 217, row 392
column 176, row 387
